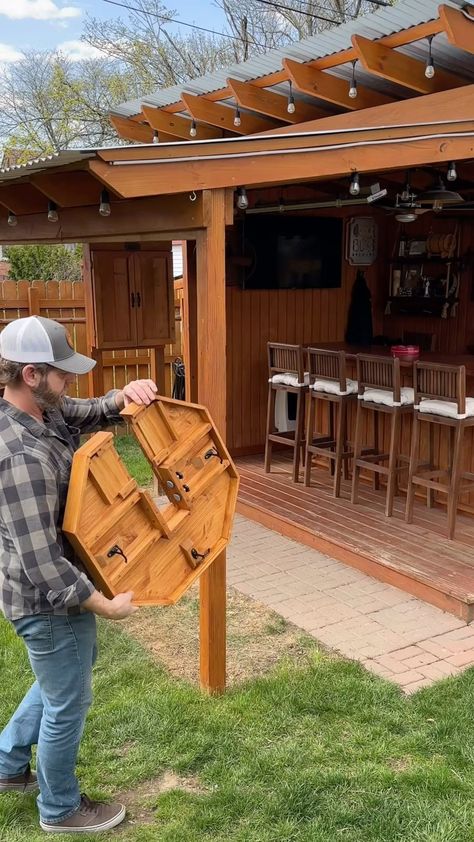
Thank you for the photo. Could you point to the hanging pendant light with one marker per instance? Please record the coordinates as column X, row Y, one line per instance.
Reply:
column 193, row 129
column 237, row 118
column 242, row 199
column 452, row 174
column 439, row 195
column 156, row 137
column 12, row 219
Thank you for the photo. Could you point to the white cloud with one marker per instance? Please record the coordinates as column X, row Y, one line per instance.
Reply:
column 37, row 10
column 79, row 50
column 9, row 54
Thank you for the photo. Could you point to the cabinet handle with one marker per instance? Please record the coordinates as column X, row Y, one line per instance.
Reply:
column 139, row 300
column 132, row 299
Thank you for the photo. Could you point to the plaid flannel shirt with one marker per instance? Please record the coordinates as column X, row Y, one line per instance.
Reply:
column 39, row 570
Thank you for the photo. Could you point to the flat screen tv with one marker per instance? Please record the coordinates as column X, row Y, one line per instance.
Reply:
column 284, row 252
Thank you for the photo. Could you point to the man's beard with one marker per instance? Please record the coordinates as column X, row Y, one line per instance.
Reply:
column 45, row 397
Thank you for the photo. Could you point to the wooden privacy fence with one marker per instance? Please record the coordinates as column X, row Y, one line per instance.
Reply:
column 64, row 301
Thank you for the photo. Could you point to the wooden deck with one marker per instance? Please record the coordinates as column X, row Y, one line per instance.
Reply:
column 416, row 557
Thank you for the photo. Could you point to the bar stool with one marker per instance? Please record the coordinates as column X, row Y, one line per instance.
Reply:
column 380, row 392
column 440, row 398
column 286, row 374
column 329, row 382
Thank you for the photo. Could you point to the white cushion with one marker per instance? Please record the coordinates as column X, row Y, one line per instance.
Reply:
column 407, row 396
column 288, row 379
column 333, row 387
column 447, row 408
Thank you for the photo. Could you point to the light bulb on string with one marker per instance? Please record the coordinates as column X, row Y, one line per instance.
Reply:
column 193, row 129
column 242, row 199
column 104, row 206
column 452, row 174
column 156, row 137
column 430, row 68
column 353, row 87
column 237, row 118
column 354, row 188
column 291, row 107
column 12, row 219
column 53, row 215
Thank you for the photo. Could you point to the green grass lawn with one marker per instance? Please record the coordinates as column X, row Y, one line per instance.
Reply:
column 313, row 754
column 132, row 456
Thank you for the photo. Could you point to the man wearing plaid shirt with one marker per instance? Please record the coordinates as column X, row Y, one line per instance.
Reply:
column 44, row 589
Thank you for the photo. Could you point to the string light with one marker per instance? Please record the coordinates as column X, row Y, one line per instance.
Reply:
column 193, row 129
column 430, row 68
column 353, row 87
column 354, row 188
column 12, row 219
column 52, row 212
column 291, row 108
column 156, row 137
column 237, row 119
column 104, row 207
column 452, row 173
column 242, row 199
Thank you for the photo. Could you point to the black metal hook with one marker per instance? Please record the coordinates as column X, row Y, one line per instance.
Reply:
column 116, row 550
column 213, row 452
column 197, row 555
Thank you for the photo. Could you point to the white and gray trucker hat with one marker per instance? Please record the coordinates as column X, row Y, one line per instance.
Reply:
column 38, row 340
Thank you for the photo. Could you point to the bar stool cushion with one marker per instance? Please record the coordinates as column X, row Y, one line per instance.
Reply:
column 385, row 396
column 332, row 387
column 447, row 408
column 286, row 378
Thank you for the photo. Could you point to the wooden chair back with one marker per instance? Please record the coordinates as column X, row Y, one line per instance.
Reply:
column 437, row 381
column 425, row 341
column 285, row 358
column 327, row 365
column 379, row 373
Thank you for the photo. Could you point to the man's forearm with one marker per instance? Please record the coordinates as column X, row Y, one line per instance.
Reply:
column 113, row 609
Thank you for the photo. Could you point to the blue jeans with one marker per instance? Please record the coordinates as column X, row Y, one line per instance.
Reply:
column 62, row 650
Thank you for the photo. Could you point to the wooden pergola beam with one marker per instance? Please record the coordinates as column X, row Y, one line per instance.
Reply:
column 69, row 189
column 128, row 129
column 23, row 198
column 223, row 116
column 178, row 126
column 458, row 27
column 401, row 69
column 271, row 104
column 394, row 40
column 325, row 86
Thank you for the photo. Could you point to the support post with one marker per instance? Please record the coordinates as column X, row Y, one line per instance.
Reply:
column 211, row 367
column 190, row 320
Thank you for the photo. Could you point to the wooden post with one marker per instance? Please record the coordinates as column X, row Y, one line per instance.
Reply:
column 211, row 351
column 190, row 320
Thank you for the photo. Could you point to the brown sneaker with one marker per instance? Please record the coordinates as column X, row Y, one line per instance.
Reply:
column 91, row 817
column 26, row 782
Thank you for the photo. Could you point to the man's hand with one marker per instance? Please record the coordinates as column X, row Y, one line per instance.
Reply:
column 138, row 391
column 113, row 609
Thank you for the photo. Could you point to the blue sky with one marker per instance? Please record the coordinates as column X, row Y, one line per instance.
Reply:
column 51, row 24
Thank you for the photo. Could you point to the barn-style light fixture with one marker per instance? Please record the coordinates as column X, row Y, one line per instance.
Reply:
column 193, row 130
column 353, row 86
column 439, row 195
column 291, row 107
column 12, row 219
column 53, row 215
column 104, row 207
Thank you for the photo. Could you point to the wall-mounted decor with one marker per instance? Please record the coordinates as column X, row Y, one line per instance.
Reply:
column 361, row 241
column 128, row 542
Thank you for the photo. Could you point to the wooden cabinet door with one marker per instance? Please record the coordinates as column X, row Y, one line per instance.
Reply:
column 114, row 315
column 154, row 298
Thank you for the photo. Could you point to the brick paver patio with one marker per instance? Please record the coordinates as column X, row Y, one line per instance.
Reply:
column 390, row 632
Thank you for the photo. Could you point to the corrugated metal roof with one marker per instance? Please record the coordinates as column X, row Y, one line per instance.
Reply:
column 56, row 159
column 383, row 21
